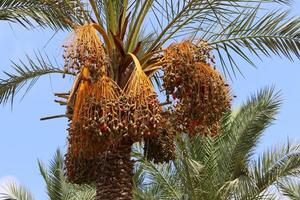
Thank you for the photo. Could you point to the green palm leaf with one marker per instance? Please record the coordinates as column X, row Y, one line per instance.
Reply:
column 56, row 14
column 248, row 126
column 275, row 165
column 25, row 75
column 274, row 33
column 290, row 188
column 57, row 186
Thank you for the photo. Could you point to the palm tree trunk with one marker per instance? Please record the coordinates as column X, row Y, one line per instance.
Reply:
column 114, row 178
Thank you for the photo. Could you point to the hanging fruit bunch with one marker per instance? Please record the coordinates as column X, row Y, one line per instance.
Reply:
column 104, row 116
column 90, row 101
column 147, row 114
column 94, row 120
column 84, row 48
column 157, row 132
column 161, row 148
column 202, row 96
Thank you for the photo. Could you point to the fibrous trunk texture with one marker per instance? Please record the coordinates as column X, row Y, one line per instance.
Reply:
column 114, row 178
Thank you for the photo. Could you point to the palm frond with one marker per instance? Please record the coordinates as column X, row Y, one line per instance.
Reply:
column 14, row 191
column 290, row 188
column 56, row 183
column 274, row 33
column 137, row 24
column 56, row 14
column 193, row 17
column 86, row 192
column 159, row 182
column 248, row 126
column 26, row 75
column 275, row 165
column 54, row 177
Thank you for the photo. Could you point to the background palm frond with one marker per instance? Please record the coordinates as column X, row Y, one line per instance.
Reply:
column 276, row 165
column 248, row 125
column 192, row 17
column 214, row 168
column 56, row 184
column 290, row 188
column 14, row 191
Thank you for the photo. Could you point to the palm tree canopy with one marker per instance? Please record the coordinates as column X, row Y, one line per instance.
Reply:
column 232, row 27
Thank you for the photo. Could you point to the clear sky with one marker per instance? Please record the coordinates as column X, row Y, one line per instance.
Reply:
column 24, row 139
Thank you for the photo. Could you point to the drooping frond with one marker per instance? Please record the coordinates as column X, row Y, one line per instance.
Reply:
column 56, row 14
column 194, row 17
column 25, row 75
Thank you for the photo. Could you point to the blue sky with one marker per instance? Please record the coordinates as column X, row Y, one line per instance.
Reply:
column 24, row 138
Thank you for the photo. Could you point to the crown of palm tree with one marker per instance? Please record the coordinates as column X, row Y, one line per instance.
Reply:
column 232, row 28
column 118, row 62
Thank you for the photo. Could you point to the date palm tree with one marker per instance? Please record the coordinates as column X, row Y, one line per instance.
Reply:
column 226, row 166
column 119, row 65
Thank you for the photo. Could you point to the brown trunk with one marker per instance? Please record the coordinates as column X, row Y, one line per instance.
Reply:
column 114, row 178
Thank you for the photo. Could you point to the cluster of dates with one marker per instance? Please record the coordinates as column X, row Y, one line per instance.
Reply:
column 161, row 148
column 84, row 48
column 202, row 94
column 104, row 120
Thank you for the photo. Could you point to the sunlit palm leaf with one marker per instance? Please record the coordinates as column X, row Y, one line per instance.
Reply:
column 248, row 126
column 275, row 165
column 57, row 186
column 14, row 191
column 192, row 17
column 290, row 188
